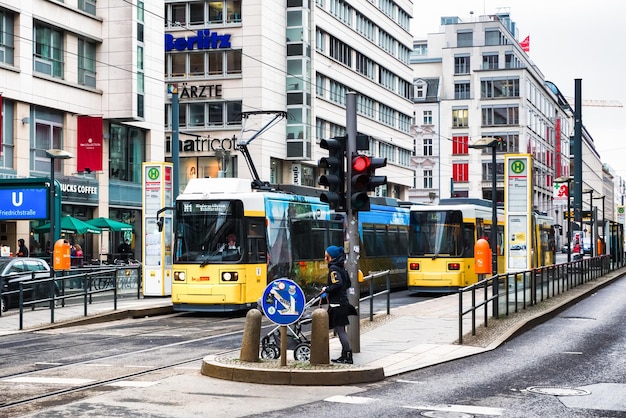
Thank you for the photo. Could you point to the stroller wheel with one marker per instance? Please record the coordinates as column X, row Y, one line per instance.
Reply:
column 270, row 352
column 302, row 352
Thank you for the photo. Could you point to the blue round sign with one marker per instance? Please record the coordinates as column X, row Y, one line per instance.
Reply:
column 283, row 301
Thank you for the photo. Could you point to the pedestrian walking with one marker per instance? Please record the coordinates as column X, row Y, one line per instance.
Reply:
column 339, row 306
column 22, row 250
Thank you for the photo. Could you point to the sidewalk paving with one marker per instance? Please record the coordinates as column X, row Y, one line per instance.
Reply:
column 411, row 337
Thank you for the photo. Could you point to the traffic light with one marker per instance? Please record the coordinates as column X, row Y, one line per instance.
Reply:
column 359, row 183
column 364, row 179
column 334, row 165
column 374, row 180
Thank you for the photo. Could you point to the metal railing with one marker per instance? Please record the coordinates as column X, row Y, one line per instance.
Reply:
column 82, row 283
column 522, row 289
column 370, row 278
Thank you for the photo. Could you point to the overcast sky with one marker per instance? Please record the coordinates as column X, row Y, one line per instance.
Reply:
column 569, row 39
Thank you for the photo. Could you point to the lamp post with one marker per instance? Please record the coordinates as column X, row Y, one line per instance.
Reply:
column 54, row 154
column 489, row 142
column 569, row 214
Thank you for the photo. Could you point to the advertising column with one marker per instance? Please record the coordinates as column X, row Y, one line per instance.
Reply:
column 157, row 250
column 517, row 211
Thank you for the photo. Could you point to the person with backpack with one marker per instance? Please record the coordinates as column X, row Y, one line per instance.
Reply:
column 340, row 308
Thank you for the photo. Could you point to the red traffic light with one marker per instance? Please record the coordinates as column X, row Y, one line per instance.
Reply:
column 360, row 163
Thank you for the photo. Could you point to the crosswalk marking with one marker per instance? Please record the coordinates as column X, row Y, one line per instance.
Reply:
column 357, row 400
column 469, row 409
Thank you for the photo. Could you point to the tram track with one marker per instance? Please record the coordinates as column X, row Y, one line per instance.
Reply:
column 44, row 387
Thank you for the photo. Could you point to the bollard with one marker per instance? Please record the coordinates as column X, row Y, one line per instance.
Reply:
column 320, row 351
column 251, row 337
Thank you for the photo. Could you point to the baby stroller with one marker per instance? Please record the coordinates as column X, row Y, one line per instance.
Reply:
column 270, row 343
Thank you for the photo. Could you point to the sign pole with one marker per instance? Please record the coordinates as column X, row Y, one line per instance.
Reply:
column 353, row 227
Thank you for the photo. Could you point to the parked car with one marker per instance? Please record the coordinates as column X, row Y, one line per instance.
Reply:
column 565, row 248
column 13, row 270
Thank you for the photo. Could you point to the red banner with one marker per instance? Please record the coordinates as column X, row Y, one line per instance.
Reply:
column 1, row 125
column 89, row 144
column 525, row 44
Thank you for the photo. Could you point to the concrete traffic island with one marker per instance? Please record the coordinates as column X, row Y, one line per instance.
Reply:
column 270, row 372
column 245, row 366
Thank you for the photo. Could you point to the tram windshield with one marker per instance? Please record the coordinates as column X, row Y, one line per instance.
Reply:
column 209, row 231
column 436, row 233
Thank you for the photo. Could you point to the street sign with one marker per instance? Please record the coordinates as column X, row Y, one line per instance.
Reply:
column 283, row 301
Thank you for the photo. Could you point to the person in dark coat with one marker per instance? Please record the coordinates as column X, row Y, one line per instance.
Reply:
column 336, row 291
column 22, row 250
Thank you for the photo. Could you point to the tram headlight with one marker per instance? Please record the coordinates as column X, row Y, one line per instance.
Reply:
column 230, row 276
column 179, row 276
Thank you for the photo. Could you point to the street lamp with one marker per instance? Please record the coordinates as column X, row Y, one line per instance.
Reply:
column 569, row 213
column 54, row 154
column 489, row 142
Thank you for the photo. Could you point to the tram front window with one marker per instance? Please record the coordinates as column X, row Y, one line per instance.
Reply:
column 209, row 231
column 436, row 233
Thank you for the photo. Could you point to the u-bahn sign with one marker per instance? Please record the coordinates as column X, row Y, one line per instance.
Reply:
column 24, row 199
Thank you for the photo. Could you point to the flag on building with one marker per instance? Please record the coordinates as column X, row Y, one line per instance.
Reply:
column 89, row 144
column 525, row 44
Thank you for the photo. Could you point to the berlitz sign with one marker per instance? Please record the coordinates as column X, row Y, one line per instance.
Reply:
column 205, row 39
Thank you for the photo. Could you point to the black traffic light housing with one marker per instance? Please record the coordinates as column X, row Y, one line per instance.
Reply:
column 374, row 180
column 364, row 179
column 359, row 182
column 334, row 179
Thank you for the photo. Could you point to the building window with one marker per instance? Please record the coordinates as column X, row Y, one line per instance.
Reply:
column 460, row 145
column 460, row 118
column 511, row 61
column 428, row 147
column 499, row 88
column 490, row 62
column 87, row 6
column 419, row 90
column 86, row 63
column 208, row 114
column 462, row 65
column 6, row 37
column 48, row 135
column 140, row 69
column 428, row 179
column 506, row 115
column 7, row 146
column 508, row 143
column 462, row 90
column 428, row 117
column 126, row 152
column 487, row 171
column 48, row 53
column 460, row 172
column 464, row 39
column 494, row 37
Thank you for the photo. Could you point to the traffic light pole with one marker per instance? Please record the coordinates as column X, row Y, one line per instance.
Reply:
column 354, row 332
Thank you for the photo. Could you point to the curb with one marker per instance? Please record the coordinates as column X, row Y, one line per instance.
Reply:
column 106, row 317
column 271, row 373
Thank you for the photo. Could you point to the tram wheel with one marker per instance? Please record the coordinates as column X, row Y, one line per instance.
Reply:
column 270, row 352
column 302, row 352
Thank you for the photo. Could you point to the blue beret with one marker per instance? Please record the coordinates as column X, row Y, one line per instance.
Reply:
column 334, row 251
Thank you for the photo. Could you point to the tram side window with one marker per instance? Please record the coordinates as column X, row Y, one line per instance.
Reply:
column 257, row 244
column 468, row 240
column 369, row 241
column 308, row 239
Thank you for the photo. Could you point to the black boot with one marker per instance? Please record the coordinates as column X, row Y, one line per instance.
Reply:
column 341, row 359
column 348, row 359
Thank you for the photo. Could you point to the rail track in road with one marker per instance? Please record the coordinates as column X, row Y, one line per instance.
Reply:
column 81, row 372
